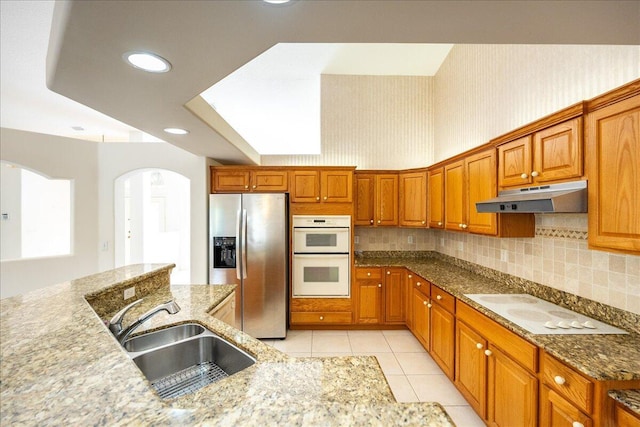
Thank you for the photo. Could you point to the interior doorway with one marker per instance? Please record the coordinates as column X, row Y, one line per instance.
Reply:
column 152, row 220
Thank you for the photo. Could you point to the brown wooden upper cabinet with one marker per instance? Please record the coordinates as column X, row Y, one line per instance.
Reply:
column 243, row 179
column 376, row 197
column 613, row 169
column 549, row 155
column 467, row 181
column 436, row 198
column 324, row 185
column 413, row 199
column 470, row 180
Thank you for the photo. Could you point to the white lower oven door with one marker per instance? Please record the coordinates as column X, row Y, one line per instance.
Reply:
column 321, row 276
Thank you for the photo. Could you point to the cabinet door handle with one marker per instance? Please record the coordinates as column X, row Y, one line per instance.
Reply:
column 418, row 284
column 388, row 272
column 488, row 352
column 325, row 197
column 369, row 274
column 534, row 174
column 246, row 187
column 378, row 221
column 370, row 221
column 577, row 424
column 439, row 223
column 425, row 303
column 254, row 186
column 479, row 346
column 423, row 222
column 428, row 305
column 464, row 226
column 317, row 198
column 321, row 317
column 439, row 297
column 559, row 380
column 524, row 176
column 410, row 276
column 379, row 285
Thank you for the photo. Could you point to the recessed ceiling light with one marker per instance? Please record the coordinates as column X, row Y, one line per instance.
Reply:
column 176, row 131
column 147, row 61
column 78, row 128
column 276, row 1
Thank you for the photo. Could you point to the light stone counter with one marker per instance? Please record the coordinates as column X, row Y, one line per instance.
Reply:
column 61, row 366
column 602, row 357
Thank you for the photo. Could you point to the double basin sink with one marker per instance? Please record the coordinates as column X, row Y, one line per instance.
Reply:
column 181, row 359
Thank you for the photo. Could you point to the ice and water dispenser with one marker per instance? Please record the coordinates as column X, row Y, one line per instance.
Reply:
column 224, row 252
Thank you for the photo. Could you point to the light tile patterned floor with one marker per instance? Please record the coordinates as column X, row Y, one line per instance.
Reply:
column 411, row 373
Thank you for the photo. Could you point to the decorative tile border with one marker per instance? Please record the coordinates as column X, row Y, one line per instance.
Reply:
column 560, row 232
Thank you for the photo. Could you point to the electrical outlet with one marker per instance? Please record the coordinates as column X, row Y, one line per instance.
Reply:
column 460, row 246
column 130, row 292
column 504, row 255
column 356, row 239
column 105, row 246
column 410, row 239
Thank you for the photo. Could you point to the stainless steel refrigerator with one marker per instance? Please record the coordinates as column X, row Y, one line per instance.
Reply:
column 249, row 246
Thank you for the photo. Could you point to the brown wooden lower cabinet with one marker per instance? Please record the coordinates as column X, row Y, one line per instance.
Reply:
column 513, row 392
column 471, row 368
column 443, row 329
column 330, row 312
column 558, row 412
column 625, row 418
column 421, row 307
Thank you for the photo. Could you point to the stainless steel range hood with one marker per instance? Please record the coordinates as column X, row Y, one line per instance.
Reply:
column 554, row 198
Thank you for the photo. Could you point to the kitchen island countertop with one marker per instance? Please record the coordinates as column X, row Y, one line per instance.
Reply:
column 61, row 365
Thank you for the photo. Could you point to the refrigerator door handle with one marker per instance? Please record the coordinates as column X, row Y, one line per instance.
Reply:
column 238, row 242
column 244, row 243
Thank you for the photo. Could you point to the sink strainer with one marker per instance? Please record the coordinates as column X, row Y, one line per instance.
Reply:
column 188, row 380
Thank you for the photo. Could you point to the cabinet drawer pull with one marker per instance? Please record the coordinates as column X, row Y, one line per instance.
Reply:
column 246, row 186
column 379, row 285
column 321, row 317
column 559, row 380
column 369, row 273
column 423, row 222
column 577, row 424
column 488, row 352
column 524, row 176
column 479, row 346
column 388, row 272
column 425, row 303
column 254, row 186
column 325, row 197
column 439, row 297
column 428, row 305
column 418, row 284
column 410, row 276
column 378, row 221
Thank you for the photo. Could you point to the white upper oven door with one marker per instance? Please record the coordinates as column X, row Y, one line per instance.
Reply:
column 321, row 240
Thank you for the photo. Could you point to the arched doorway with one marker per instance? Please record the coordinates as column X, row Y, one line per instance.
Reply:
column 152, row 220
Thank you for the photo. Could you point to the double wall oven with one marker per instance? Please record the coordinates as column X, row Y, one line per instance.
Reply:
column 321, row 256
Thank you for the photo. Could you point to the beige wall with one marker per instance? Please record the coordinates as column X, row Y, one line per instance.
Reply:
column 483, row 91
column 372, row 122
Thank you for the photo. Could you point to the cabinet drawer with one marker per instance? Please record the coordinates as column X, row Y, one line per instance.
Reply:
column 320, row 317
column 420, row 284
column 368, row 273
column 568, row 383
column 443, row 298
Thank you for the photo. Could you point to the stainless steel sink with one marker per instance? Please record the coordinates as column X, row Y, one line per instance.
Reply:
column 162, row 337
column 178, row 368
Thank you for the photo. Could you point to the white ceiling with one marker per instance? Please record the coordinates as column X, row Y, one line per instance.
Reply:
column 208, row 41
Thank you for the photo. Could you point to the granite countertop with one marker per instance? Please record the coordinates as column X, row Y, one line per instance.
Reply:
column 61, row 365
column 629, row 398
column 602, row 357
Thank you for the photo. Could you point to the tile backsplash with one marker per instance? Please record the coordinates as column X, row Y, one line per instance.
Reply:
column 557, row 256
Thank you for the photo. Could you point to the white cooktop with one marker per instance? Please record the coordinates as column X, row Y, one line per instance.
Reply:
column 541, row 317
